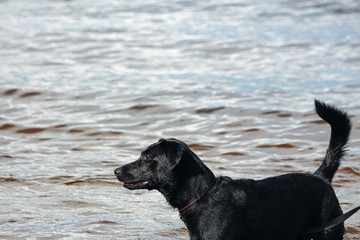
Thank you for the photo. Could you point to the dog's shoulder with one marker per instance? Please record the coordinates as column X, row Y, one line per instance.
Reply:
column 241, row 183
column 233, row 190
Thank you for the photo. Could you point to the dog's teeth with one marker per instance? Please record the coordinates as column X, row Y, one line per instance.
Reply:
column 143, row 183
column 132, row 185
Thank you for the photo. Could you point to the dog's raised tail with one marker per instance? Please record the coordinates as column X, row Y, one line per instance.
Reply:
column 340, row 130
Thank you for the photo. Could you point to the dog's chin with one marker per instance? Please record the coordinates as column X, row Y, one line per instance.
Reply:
column 144, row 184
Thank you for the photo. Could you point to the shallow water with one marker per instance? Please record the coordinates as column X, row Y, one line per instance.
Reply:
column 86, row 85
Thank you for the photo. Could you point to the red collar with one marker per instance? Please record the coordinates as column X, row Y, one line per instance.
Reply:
column 184, row 208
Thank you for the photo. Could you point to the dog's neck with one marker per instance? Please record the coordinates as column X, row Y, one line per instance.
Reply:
column 198, row 180
column 192, row 190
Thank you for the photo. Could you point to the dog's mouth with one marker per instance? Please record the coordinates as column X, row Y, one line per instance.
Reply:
column 136, row 185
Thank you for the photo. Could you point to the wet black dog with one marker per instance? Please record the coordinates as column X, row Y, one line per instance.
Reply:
column 275, row 208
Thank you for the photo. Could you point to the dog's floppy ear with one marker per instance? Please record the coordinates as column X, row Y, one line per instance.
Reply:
column 174, row 150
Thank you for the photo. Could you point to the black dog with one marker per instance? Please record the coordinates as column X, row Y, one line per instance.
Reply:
column 274, row 208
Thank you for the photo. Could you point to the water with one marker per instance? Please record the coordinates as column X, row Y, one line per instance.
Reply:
column 86, row 85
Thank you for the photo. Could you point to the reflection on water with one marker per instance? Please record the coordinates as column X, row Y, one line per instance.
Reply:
column 86, row 85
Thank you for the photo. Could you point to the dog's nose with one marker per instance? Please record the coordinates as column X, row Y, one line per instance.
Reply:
column 117, row 171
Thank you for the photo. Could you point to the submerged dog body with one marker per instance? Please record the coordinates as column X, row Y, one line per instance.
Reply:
column 278, row 207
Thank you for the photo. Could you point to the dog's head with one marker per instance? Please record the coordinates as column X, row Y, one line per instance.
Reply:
column 160, row 166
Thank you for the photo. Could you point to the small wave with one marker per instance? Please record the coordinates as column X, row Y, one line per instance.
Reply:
column 10, row 91
column 29, row 94
column 30, row 130
column 317, row 122
column 233, row 154
column 105, row 133
column 141, row 107
column 9, row 179
column 76, row 130
column 252, row 130
column 105, row 222
column 14, row 91
column 283, row 145
column 6, row 126
column 209, row 110
column 351, row 171
column 200, row 147
column 270, row 112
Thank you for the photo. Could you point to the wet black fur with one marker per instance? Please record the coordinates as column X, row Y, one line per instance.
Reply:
column 278, row 207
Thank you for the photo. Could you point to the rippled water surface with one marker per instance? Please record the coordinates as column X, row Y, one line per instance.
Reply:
column 86, row 85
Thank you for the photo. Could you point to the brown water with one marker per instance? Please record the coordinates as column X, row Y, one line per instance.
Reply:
column 86, row 85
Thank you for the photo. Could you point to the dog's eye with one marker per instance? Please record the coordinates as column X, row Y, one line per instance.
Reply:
column 147, row 157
